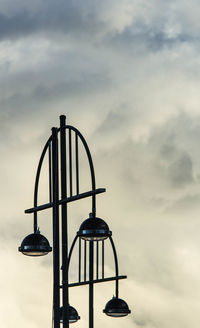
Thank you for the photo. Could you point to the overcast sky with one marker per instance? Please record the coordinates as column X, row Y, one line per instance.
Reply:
column 126, row 73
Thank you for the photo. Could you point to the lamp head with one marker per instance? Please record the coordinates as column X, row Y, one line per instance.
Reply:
column 35, row 244
column 94, row 229
column 73, row 314
column 116, row 308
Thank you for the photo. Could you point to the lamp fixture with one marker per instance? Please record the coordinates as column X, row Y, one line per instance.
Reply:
column 116, row 308
column 94, row 229
column 73, row 314
column 35, row 244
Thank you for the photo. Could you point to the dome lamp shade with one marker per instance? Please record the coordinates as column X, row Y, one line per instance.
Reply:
column 94, row 229
column 35, row 244
column 116, row 308
column 73, row 315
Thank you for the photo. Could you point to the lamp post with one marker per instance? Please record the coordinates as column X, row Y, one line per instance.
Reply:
column 63, row 147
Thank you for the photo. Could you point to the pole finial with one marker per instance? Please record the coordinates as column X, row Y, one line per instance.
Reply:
column 62, row 120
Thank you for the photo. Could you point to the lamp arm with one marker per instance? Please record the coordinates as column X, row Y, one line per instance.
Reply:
column 116, row 265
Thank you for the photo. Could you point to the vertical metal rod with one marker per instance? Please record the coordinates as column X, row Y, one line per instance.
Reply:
column 102, row 259
column 91, row 167
column 79, row 261
column 77, row 164
column 85, row 256
column 65, row 292
column 116, row 265
column 97, row 260
column 56, row 260
column 35, row 226
column 94, row 206
column 91, row 285
column 50, row 169
column 70, row 163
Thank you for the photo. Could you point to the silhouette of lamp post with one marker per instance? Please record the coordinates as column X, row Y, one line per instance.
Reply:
column 63, row 147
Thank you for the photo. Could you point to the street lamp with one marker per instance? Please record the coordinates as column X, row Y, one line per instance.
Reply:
column 73, row 315
column 62, row 148
column 35, row 244
column 94, row 229
column 116, row 308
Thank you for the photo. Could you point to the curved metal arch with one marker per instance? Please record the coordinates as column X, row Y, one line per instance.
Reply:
column 70, row 127
column 115, row 259
column 89, row 156
column 37, row 179
column 71, row 250
column 93, row 182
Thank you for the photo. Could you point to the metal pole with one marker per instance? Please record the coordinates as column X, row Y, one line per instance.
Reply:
column 65, row 293
column 91, row 285
column 116, row 265
column 56, row 260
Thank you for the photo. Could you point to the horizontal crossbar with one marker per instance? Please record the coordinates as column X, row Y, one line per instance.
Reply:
column 94, row 281
column 66, row 200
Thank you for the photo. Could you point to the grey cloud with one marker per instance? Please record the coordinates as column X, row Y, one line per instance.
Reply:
column 38, row 96
column 15, row 26
column 86, row 84
column 178, row 165
column 158, row 172
column 180, row 171
column 186, row 204
column 116, row 121
column 139, row 36
column 141, row 322
column 159, row 41
column 149, row 26
column 61, row 18
column 177, row 149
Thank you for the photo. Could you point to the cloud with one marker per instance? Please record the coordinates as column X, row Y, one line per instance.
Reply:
column 180, row 171
column 159, row 23
column 126, row 73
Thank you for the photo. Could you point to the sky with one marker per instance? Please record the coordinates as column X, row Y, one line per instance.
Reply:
column 126, row 73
